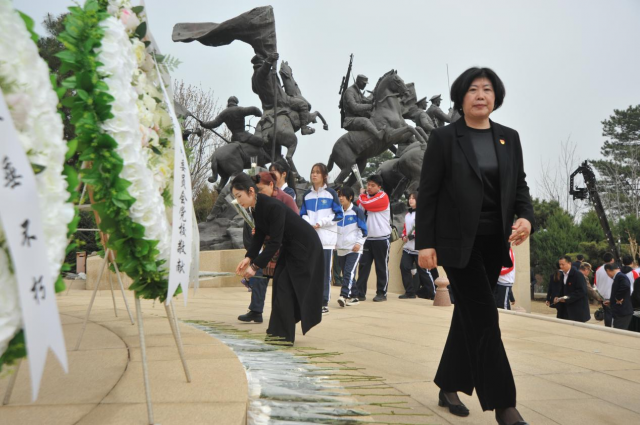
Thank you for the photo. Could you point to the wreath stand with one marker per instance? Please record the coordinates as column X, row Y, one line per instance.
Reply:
column 169, row 309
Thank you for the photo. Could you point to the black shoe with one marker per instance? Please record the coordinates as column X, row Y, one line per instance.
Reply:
column 502, row 422
column 379, row 298
column 456, row 409
column 251, row 316
column 362, row 298
column 407, row 297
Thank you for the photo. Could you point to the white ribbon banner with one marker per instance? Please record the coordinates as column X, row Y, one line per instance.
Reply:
column 22, row 223
column 182, row 224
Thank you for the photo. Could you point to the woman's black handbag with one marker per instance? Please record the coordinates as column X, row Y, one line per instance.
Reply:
column 599, row 314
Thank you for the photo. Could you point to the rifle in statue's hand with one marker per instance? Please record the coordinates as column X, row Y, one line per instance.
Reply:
column 343, row 87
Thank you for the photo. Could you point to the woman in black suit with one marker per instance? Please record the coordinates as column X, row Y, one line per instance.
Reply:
column 471, row 187
column 298, row 277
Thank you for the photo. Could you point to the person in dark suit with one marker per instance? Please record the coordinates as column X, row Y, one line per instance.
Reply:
column 471, row 187
column 299, row 272
column 554, row 290
column 620, row 301
column 574, row 292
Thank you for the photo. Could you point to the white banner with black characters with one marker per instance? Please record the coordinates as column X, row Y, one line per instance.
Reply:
column 182, row 230
column 22, row 223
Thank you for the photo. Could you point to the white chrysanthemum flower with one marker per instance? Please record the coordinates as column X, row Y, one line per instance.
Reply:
column 33, row 106
column 119, row 68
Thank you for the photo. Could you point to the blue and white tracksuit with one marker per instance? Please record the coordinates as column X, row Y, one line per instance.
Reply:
column 323, row 207
column 352, row 230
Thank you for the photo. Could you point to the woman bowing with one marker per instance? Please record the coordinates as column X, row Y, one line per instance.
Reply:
column 298, row 277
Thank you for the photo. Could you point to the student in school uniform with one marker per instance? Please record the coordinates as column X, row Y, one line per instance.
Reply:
column 352, row 233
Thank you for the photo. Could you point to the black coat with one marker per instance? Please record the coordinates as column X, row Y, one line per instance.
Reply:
column 577, row 305
column 451, row 192
column 301, row 255
column 620, row 301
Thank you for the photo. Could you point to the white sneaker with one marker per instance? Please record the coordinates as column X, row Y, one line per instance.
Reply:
column 325, row 310
column 353, row 301
column 342, row 301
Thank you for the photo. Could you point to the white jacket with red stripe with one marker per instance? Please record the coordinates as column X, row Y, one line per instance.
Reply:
column 508, row 274
column 378, row 212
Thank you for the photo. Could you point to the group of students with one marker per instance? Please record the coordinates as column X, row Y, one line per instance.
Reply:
column 358, row 229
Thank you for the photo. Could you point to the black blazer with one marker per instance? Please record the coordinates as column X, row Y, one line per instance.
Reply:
column 620, row 301
column 577, row 305
column 451, row 192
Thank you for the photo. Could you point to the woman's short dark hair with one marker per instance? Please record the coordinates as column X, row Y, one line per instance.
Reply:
column 376, row 178
column 415, row 196
column 461, row 85
column 347, row 192
column 323, row 170
column 243, row 182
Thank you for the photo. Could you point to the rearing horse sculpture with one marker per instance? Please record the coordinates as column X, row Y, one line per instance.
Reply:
column 356, row 147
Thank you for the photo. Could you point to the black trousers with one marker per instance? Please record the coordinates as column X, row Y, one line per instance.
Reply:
column 285, row 310
column 407, row 262
column 374, row 251
column 622, row 322
column 608, row 317
column 503, row 296
column 474, row 356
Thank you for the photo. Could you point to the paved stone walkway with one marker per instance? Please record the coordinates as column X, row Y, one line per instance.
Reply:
column 564, row 374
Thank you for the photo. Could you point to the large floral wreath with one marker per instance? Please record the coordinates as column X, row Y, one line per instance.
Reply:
column 32, row 101
column 124, row 130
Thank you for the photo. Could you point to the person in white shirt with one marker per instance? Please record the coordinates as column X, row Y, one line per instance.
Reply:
column 603, row 283
column 410, row 257
column 321, row 209
column 503, row 291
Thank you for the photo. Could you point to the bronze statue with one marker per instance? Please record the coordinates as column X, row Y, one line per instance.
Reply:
column 233, row 116
column 298, row 103
column 420, row 117
column 357, row 109
column 401, row 175
column 355, row 147
column 285, row 111
column 436, row 114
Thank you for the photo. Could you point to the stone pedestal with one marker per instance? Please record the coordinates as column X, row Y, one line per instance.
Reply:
column 442, row 293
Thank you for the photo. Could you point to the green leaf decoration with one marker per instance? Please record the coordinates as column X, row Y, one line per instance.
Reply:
column 141, row 31
column 137, row 9
column 90, row 107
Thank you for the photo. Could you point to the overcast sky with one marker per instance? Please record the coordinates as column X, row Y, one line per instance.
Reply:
column 566, row 64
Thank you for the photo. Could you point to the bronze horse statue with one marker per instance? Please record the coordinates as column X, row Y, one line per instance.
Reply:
column 355, row 147
column 402, row 175
column 230, row 159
